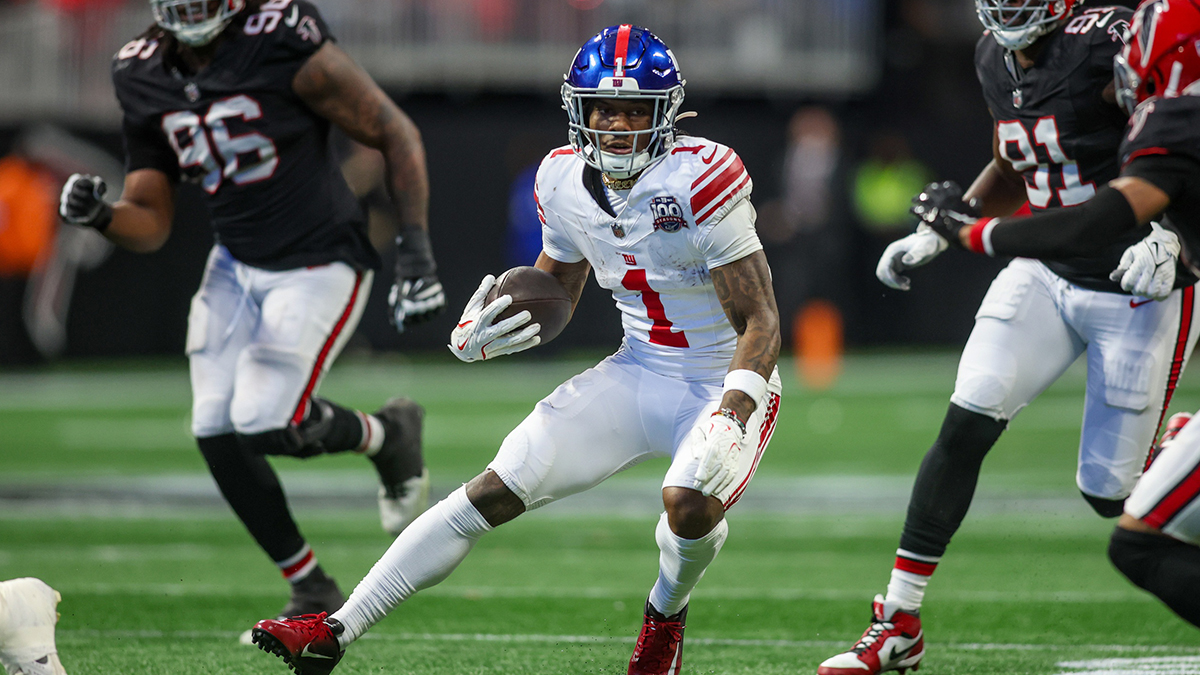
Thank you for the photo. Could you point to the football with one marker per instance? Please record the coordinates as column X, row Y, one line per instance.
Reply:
column 539, row 292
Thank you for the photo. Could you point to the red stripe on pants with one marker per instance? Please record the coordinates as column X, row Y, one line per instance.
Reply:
column 315, row 375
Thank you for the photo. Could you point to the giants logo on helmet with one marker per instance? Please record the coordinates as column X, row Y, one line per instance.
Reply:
column 668, row 215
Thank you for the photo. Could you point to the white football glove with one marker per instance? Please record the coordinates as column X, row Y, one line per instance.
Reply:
column 476, row 338
column 717, row 442
column 1147, row 268
column 912, row 251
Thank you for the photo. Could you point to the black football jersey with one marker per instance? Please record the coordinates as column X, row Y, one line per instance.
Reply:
column 1162, row 146
column 1055, row 127
column 277, row 197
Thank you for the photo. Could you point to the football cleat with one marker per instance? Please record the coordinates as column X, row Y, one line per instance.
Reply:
column 28, row 612
column 894, row 641
column 307, row 644
column 404, row 491
column 659, row 648
column 316, row 593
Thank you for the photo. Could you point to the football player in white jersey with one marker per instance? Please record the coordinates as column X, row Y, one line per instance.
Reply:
column 667, row 225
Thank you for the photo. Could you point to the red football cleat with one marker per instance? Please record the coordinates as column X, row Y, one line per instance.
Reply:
column 308, row 643
column 659, row 649
column 893, row 642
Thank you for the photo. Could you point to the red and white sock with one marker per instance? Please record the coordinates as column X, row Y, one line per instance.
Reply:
column 910, row 576
column 298, row 566
column 372, row 434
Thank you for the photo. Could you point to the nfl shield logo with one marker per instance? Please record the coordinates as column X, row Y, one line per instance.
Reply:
column 1018, row 98
column 192, row 92
column 668, row 216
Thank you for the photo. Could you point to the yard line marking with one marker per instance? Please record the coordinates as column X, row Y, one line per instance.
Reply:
column 1147, row 665
column 605, row 639
column 611, row 593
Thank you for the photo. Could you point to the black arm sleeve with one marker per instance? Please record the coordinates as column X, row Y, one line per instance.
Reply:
column 1079, row 231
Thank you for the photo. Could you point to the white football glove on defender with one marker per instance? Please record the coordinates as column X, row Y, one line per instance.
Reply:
column 477, row 339
column 912, row 251
column 717, row 442
column 1147, row 268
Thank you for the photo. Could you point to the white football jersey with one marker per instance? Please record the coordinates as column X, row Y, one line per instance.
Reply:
column 654, row 245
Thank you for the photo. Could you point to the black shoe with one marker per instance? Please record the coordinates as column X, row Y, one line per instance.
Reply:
column 404, row 481
column 313, row 594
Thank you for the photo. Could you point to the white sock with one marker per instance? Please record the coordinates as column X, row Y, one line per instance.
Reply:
column 372, row 434
column 424, row 554
column 910, row 576
column 681, row 564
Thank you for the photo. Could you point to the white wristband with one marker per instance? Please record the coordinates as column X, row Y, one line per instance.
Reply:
column 748, row 382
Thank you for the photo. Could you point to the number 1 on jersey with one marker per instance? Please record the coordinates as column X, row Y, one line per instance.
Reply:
column 660, row 332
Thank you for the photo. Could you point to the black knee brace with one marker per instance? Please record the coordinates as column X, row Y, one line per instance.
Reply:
column 945, row 483
column 1162, row 565
column 1107, row 508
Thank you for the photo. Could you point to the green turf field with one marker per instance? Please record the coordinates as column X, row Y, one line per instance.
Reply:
column 103, row 495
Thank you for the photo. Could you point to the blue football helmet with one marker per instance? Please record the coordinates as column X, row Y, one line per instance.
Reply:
column 623, row 62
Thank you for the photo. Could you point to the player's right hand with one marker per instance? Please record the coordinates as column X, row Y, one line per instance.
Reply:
column 82, row 202
column 476, row 338
column 1147, row 268
column 904, row 254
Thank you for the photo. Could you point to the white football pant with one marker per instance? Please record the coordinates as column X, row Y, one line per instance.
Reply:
column 614, row 416
column 1033, row 324
column 259, row 342
column 1166, row 496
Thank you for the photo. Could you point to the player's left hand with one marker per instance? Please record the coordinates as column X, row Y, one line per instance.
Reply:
column 941, row 207
column 717, row 443
column 1147, row 268
column 415, row 301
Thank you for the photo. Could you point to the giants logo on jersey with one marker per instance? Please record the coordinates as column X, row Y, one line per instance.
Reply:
column 668, row 215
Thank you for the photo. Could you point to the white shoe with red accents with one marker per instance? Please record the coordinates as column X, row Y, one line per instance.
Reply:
column 894, row 641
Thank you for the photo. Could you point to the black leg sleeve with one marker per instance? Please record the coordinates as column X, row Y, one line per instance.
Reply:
column 946, row 481
column 253, row 491
column 1166, row 567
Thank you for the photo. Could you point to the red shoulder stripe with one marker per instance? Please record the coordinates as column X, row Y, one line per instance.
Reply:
column 712, row 209
column 694, row 149
column 702, row 199
column 716, row 165
column 561, row 151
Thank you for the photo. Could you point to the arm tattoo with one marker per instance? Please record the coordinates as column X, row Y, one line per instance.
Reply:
column 744, row 290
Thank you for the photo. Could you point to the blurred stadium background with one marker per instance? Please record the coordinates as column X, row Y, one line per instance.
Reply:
column 841, row 110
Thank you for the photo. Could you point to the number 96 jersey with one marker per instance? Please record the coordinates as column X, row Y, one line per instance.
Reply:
column 236, row 128
column 654, row 245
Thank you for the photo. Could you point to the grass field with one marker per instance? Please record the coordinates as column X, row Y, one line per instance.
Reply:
column 103, row 495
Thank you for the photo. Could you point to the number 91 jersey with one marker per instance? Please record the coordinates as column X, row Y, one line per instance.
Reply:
column 1054, row 125
column 653, row 247
column 277, row 197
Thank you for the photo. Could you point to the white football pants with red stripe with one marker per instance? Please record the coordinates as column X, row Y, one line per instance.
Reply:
column 614, row 416
column 259, row 342
column 1033, row 325
column 1168, row 496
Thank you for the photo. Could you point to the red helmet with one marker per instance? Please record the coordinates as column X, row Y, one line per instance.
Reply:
column 1162, row 57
